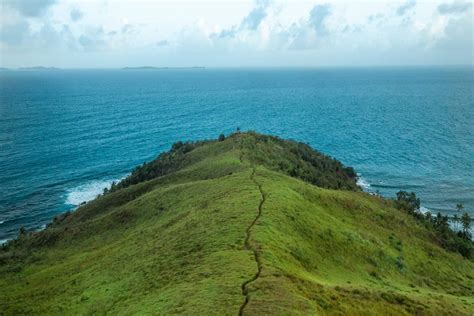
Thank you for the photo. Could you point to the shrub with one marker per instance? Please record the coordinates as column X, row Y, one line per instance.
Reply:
column 407, row 201
column 459, row 242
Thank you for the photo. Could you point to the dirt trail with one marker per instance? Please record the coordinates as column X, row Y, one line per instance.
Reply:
column 253, row 248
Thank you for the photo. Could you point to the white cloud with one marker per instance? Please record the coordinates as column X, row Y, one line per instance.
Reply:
column 76, row 14
column 15, row 33
column 250, row 22
column 215, row 33
column 318, row 17
column 162, row 43
column 403, row 9
column 31, row 8
column 455, row 7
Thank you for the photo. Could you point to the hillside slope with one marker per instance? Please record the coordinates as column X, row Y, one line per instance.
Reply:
column 249, row 225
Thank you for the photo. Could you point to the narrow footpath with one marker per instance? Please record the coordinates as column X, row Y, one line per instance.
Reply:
column 248, row 246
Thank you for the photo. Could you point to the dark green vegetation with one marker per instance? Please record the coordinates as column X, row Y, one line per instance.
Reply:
column 237, row 226
column 459, row 241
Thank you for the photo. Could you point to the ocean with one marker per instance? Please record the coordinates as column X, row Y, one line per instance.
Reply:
column 66, row 134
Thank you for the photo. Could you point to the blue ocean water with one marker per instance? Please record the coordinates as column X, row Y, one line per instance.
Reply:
column 64, row 135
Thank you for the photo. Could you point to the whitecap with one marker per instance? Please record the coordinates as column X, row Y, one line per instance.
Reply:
column 3, row 241
column 1, row 222
column 87, row 192
column 425, row 210
column 362, row 183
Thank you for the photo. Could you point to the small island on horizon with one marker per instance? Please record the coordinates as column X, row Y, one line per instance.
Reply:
column 39, row 68
column 160, row 68
column 45, row 68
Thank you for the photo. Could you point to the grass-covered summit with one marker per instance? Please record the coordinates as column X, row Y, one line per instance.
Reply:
column 251, row 225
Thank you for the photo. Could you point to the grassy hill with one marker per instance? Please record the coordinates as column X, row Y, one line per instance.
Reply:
column 249, row 225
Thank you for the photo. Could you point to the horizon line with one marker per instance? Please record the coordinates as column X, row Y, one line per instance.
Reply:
column 149, row 67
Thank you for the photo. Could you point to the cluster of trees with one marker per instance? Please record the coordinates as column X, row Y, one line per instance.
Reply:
column 456, row 237
column 322, row 170
column 462, row 221
column 299, row 160
column 407, row 201
column 165, row 163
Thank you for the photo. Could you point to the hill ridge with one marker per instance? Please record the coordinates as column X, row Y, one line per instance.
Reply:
column 250, row 223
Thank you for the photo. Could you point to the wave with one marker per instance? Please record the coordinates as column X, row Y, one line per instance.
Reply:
column 425, row 210
column 87, row 192
column 362, row 182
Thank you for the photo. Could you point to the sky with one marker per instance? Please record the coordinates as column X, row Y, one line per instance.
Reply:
column 220, row 33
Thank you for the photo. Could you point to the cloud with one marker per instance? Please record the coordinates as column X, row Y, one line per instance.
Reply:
column 93, row 39
column 311, row 33
column 127, row 28
column 265, row 34
column 454, row 38
column 76, row 14
column 454, row 8
column 375, row 17
column 14, row 34
column 47, row 38
column 403, row 9
column 228, row 33
column 162, row 43
column 251, row 22
column 51, row 37
column 318, row 16
column 31, row 8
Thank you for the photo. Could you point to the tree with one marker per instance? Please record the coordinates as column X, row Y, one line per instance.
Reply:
column 221, row 137
column 22, row 233
column 177, row 146
column 456, row 221
column 466, row 225
column 428, row 217
column 407, row 201
column 457, row 218
column 442, row 223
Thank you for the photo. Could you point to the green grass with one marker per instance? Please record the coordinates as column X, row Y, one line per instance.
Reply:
column 175, row 245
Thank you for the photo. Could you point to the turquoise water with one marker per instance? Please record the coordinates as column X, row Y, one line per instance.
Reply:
column 64, row 135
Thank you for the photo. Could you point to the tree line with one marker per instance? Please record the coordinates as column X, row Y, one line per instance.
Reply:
column 455, row 237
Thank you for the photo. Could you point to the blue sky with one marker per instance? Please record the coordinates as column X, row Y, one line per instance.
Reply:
column 212, row 33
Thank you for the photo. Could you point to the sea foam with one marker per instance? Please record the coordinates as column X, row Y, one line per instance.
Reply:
column 425, row 210
column 362, row 183
column 87, row 192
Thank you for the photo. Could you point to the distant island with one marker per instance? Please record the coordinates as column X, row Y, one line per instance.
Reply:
column 160, row 68
column 40, row 68
column 246, row 224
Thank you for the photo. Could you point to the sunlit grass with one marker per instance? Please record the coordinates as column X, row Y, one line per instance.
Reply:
column 175, row 245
